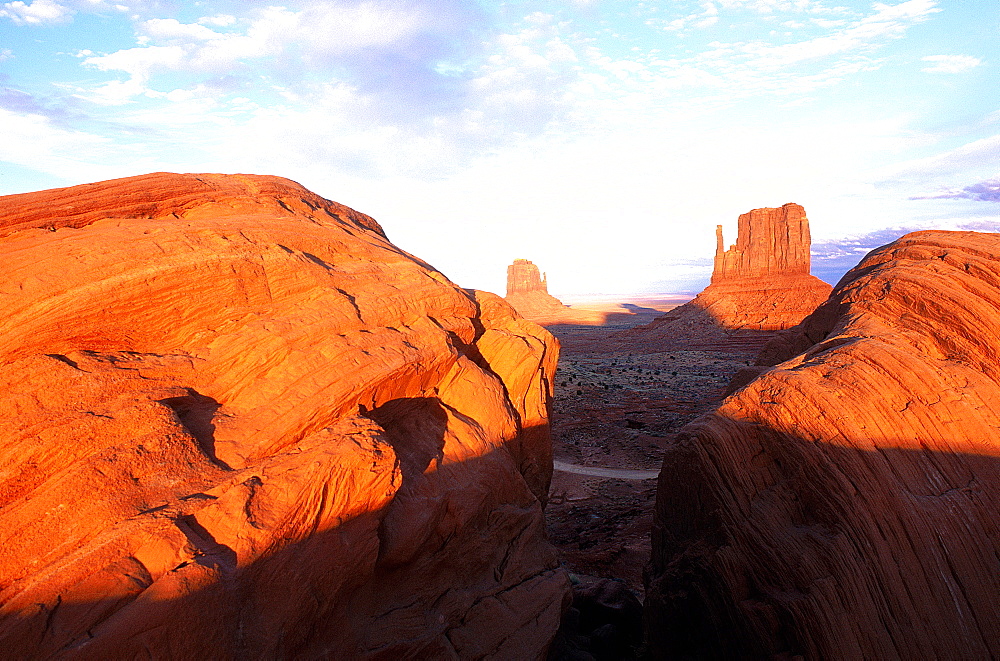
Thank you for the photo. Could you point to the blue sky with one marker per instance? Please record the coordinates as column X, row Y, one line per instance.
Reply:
column 602, row 139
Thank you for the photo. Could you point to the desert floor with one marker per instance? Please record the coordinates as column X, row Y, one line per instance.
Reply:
column 619, row 406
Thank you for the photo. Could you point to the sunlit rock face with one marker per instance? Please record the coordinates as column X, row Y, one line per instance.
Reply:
column 528, row 293
column 237, row 422
column 843, row 504
column 761, row 283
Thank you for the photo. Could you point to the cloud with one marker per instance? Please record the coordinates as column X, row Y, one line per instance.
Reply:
column 832, row 259
column 139, row 64
column 171, row 30
column 34, row 141
column 39, row 12
column 773, row 6
column 418, row 78
column 383, row 47
column 319, row 30
column 888, row 22
column 819, row 53
column 968, row 157
column 708, row 17
column 721, row 74
column 530, row 78
column 950, row 63
column 219, row 20
column 22, row 102
column 984, row 191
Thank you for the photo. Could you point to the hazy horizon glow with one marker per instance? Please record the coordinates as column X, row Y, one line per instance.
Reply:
column 601, row 139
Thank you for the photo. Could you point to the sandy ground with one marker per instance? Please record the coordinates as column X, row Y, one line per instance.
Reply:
column 618, row 407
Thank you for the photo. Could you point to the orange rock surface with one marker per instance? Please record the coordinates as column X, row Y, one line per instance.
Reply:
column 761, row 283
column 528, row 293
column 237, row 422
column 843, row 504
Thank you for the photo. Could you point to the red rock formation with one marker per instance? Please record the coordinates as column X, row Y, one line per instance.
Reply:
column 237, row 422
column 523, row 278
column 761, row 283
column 843, row 504
column 770, row 243
column 528, row 293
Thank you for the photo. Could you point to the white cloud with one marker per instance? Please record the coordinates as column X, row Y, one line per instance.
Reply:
column 983, row 191
column 6, row 54
column 888, row 22
column 172, row 30
column 138, row 63
column 934, row 176
column 706, row 18
column 219, row 20
column 644, row 85
column 34, row 142
column 39, row 12
column 530, row 77
column 318, row 31
column 950, row 63
column 772, row 6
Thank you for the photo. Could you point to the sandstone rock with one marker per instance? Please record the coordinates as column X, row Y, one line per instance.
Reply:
column 769, row 243
column 604, row 622
column 843, row 504
column 523, row 277
column 237, row 422
column 528, row 293
column 759, row 285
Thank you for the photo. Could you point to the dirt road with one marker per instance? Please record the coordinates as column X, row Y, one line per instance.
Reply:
column 596, row 471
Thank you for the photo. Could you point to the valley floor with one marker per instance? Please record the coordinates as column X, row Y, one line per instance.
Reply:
column 618, row 406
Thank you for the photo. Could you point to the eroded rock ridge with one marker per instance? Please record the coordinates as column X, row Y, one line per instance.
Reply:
column 843, row 504
column 237, row 422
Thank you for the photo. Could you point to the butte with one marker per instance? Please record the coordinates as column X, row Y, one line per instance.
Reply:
column 761, row 284
column 528, row 293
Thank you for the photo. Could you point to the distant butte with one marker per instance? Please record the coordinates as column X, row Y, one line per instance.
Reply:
column 528, row 293
column 761, row 283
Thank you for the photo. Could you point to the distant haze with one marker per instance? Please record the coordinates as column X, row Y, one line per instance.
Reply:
column 601, row 139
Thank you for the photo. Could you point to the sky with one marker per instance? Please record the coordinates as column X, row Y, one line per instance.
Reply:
column 602, row 139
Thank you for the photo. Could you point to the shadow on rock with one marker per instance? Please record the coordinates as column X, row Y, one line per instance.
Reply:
column 604, row 623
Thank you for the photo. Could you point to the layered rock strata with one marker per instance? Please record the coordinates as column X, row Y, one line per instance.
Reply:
column 528, row 293
column 770, row 243
column 760, row 284
column 237, row 422
column 843, row 504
